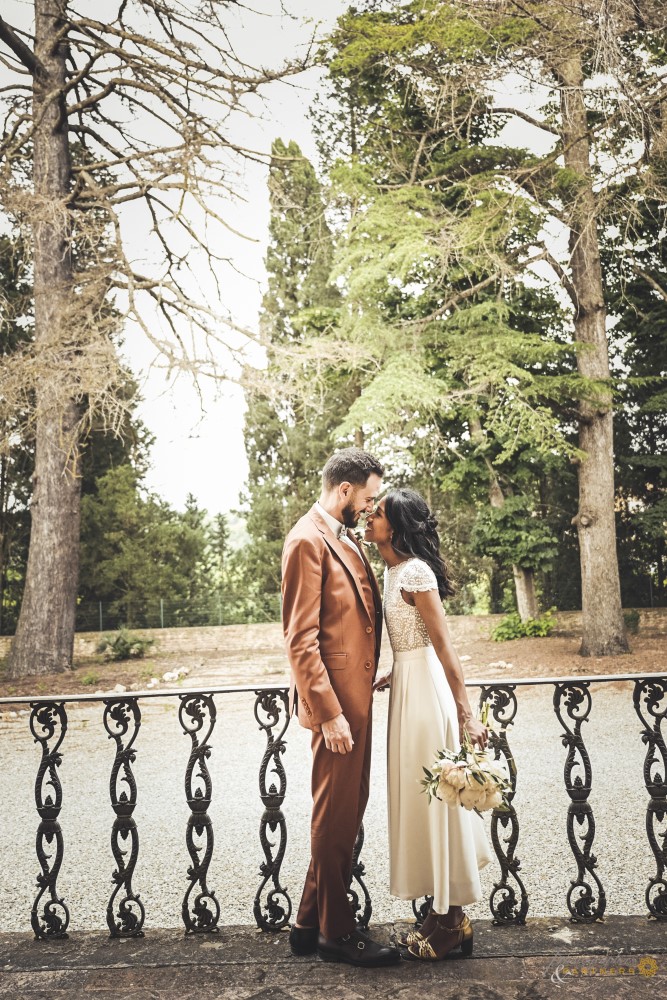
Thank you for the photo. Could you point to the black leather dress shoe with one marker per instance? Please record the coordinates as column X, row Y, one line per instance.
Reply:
column 303, row 940
column 356, row 948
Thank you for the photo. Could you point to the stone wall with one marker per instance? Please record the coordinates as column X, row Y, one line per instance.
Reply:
column 226, row 639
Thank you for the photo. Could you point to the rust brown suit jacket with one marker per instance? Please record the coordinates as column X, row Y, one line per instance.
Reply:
column 332, row 620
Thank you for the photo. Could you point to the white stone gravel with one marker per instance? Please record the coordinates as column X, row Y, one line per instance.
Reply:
column 618, row 799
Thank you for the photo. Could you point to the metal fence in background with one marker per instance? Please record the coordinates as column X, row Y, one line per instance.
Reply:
column 101, row 616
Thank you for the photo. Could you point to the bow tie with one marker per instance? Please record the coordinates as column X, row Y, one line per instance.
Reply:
column 343, row 532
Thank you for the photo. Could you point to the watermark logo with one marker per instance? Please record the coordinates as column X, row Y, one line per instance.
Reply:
column 603, row 968
column 647, row 966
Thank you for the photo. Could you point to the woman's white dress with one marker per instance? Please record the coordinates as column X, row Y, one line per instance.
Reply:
column 434, row 850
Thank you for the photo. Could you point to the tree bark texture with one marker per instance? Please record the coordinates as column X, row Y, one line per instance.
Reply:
column 45, row 633
column 524, row 577
column 524, row 586
column 603, row 627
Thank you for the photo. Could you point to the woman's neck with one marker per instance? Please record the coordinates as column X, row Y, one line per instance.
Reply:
column 389, row 554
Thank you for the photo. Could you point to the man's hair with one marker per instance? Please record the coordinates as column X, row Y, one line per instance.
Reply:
column 351, row 465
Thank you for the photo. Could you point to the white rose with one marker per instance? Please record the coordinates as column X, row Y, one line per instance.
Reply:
column 456, row 776
column 493, row 799
column 469, row 798
column 448, row 794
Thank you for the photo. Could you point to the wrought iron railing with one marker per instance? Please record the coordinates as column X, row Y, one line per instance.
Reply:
column 508, row 901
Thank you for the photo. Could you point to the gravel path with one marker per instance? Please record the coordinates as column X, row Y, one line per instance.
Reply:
column 618, row 799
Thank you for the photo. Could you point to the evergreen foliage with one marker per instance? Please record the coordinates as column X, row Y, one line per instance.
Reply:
column 287, row 441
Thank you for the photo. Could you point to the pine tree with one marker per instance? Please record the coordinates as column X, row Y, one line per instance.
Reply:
column 437, row 189
column 287, row 443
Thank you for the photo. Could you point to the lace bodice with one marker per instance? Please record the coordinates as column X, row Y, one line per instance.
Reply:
column 404, row 623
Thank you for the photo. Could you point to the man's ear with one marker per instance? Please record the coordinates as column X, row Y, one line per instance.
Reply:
column 344, row 489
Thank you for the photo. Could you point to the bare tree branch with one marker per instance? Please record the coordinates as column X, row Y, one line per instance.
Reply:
column 518, row 113
column 21, row 50
column 656, row 286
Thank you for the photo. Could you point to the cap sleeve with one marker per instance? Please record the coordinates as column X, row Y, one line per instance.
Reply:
column 417, row 576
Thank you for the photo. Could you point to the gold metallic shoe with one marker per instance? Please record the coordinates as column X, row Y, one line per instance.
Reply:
column 420, row 933
column 442, row 940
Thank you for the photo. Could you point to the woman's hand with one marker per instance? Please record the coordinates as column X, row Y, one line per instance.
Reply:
column 382, row 682
column 477, row 733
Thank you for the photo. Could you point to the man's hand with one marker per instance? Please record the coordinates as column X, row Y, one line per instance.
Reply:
column 337, row 735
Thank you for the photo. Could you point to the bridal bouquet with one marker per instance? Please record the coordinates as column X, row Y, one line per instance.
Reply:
column 470, row 778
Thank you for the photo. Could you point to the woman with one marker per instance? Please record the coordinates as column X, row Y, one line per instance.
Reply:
column 435, row 850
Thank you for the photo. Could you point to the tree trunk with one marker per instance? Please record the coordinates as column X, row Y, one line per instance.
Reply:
column 660, row 555
column 524, row 585
column 3, row 538
column 603, row 631
column 524, row 578
column 45, row 634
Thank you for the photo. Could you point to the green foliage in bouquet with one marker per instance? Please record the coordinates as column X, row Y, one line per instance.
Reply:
column 511, row 626
column 124, row 645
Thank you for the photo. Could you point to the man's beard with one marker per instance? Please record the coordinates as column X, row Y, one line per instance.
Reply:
column 350, row 515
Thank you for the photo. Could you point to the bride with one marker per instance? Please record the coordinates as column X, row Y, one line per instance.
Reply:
column 434, row 850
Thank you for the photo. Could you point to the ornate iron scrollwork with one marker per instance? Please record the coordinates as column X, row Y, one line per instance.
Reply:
column 362, row 916
column 48, row 720
column 422, row 911
column 122, row 720
column 275, row 913
column 652, row 692
column 197, row 715
column 581, row 902
column 505, row 906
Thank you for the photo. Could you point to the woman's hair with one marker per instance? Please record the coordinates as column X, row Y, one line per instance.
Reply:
column 415, row 533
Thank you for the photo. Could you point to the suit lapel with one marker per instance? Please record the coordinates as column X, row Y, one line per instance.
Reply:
column 344, row 553
column 377, row 597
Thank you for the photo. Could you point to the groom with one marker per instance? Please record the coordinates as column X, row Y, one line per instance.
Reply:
column 332, row 619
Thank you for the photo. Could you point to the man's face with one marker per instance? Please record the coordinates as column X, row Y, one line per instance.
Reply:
column 359, row 499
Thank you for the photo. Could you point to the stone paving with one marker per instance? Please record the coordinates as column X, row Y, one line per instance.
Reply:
column 624, row 957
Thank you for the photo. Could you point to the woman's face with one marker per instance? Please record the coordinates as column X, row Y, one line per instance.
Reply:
column 378, row 528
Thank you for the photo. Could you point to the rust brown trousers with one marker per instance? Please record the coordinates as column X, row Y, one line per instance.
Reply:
column 332, row 620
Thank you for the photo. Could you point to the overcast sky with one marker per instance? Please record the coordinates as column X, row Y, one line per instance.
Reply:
column 199, row 449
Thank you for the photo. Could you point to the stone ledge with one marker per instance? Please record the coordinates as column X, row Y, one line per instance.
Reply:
column 546, row 958
column 241, row 945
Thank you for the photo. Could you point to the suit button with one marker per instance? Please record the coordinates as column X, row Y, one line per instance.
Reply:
column 369, row 629
column 368, row 664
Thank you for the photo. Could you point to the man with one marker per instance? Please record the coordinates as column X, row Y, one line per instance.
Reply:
column 332, row 619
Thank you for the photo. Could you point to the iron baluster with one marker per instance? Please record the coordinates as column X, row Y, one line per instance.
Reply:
column 275, row 913
column 49, row 720
column 197, row 714
column 653, row 693
column 358, row 872
column 576, row 699
column 503, row 902
column 422, row 911
column 120, row 719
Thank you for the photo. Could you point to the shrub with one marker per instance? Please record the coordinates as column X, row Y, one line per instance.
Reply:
column 90, row 678
column 631, row 619
column 123, row 645
column 511, row 626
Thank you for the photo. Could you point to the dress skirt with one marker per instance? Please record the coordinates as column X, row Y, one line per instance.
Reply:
column 435, row 850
